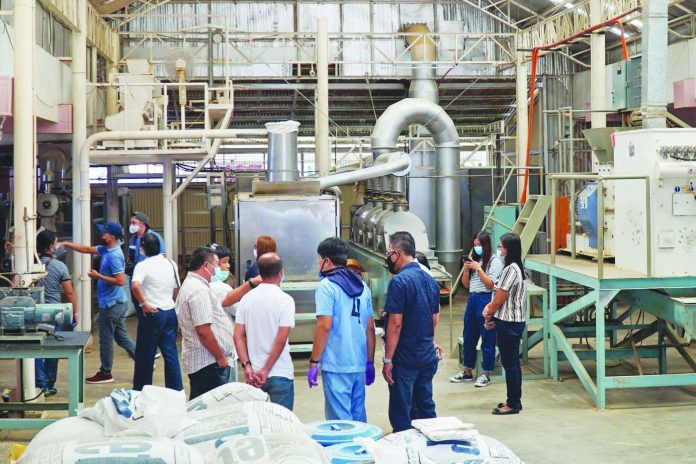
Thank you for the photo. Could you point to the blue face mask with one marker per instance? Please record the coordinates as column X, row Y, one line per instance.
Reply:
column 499, row 253
column 478, row 250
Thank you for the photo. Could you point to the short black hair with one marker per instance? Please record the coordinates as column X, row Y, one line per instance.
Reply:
column 151, row 244
column 199, row 257
column 422, row 259
column 270, row 265
column 403, row 241
column 335, row 249
column 45, row 239
column 220, row 250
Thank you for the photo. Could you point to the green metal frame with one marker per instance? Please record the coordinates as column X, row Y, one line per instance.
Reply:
column 640, row 293
column 75, row 357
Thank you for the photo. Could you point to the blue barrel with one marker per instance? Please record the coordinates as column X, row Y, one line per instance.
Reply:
column 348, row 453
column 334, row 432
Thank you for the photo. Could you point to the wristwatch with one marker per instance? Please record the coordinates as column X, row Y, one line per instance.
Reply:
column 313, row 361
column 251, row 284
column 244, row 364
column 386, row 360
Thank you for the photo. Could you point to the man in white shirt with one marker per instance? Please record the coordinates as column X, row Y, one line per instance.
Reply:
column 262, row 328
column 155, row 283
column 206, row 331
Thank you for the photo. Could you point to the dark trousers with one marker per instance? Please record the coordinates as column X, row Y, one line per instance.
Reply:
column 473, row 329
column 411, row 395
column 206, row 379
column 509, row 335
column 112, row 326
column 46, row 371
column 157, row 330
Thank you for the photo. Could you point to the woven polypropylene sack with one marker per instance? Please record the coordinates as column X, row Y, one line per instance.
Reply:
column 210, row 433
column 273, row 448
column 263, row 407
column 230, row 393
column 70, row 428
column 115, row 450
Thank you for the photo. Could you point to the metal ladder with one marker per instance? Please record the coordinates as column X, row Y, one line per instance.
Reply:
column 530, row 219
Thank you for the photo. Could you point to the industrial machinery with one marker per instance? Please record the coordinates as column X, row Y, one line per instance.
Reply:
column 141, row 104
column 35, row 293
column 655, row 227
column 296, row 214
column 21, row 318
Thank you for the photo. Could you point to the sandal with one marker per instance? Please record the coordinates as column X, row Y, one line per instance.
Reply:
column 501, row 405
column 501, row 412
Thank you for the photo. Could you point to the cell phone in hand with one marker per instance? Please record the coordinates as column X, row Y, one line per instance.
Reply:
column 467, row 259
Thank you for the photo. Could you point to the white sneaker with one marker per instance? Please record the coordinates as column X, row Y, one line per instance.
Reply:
column 482, row 381
column 461, row 377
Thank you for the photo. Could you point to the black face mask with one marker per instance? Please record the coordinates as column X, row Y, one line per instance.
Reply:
column 389, row 263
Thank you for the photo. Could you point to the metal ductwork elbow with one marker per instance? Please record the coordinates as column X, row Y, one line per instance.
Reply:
column 384, row 137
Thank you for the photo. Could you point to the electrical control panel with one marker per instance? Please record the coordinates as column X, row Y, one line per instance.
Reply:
column 655, row 228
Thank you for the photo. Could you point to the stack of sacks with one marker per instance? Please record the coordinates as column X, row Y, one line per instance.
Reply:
column 448, row 441
column 270, row 448
column 230, row 393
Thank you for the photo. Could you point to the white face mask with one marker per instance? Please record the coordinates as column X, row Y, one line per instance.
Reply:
column 255, row 256
column 133, row 228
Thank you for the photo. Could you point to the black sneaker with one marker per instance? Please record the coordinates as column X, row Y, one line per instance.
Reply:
column 461, row 377
column 100, row 377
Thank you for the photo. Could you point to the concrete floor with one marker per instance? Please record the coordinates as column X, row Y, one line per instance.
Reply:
column 559, row 422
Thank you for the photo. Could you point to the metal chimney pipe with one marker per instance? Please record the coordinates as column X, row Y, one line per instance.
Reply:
column 654, row 63
column 440, row 125
column 282, row 151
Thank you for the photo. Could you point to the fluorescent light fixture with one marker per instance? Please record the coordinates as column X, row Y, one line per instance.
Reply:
column 569, row 6
column 637, row 23
column 617, row 31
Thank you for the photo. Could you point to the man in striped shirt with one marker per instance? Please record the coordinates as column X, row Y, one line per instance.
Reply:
column 206, row 330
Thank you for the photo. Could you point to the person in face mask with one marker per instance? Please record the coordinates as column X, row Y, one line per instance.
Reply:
column 57, row 278
column 481, row 273
column 264, row 244
column 138, row 227
column 206, row 330
column 344, row 337
column 413, row 308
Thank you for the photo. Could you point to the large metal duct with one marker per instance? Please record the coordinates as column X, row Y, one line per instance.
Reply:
column 282, row 151
column 440, row 125
column 654, row 64
column 423, row 85
column 397, row 163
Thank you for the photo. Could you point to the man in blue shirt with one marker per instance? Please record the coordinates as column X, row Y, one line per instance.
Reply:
column 111, row 297
column 413, row 309
column 344, row 338
column 138, row 227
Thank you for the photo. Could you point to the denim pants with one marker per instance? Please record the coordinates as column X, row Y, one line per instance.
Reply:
column 411, row 396
column 206, row 379
column 281, row 390
column 157, row 330
column 509, row 335
column 344, row 396
column 46, row 371
column 473, row 329
column 112, row 326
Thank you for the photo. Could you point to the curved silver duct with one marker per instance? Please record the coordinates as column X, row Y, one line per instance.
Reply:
column 384, row 137
column 397, row 163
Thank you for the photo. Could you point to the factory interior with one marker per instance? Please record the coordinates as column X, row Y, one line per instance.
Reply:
column 570, row 124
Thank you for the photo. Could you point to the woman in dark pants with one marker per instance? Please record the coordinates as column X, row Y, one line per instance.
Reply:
column 506, row 313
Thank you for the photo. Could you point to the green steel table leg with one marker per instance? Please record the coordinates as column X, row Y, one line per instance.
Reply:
column 613, row 333
column 545, row 346
column 601, row 353
column 553, row 307
column 74, row 381
column 81, row 375
column 662, row 360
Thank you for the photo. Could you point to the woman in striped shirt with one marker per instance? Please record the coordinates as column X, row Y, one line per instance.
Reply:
column 506, row 313
column 481, row 273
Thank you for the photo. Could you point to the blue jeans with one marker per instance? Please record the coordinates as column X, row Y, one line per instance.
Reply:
column 473, row 329
column 112, row 326
column 281, row 390
column 206, row 379
column 509, row 336
column 46, row 371
column 411, row 396
column 344, row 396
column 157, row 330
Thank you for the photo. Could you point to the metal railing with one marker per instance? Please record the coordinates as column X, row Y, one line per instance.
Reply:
column 601, row 180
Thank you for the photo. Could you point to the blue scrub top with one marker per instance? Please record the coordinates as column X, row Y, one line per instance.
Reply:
column 346, row 348
column 415, row 295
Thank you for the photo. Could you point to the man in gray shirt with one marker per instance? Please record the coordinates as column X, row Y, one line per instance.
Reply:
column 57, row 278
